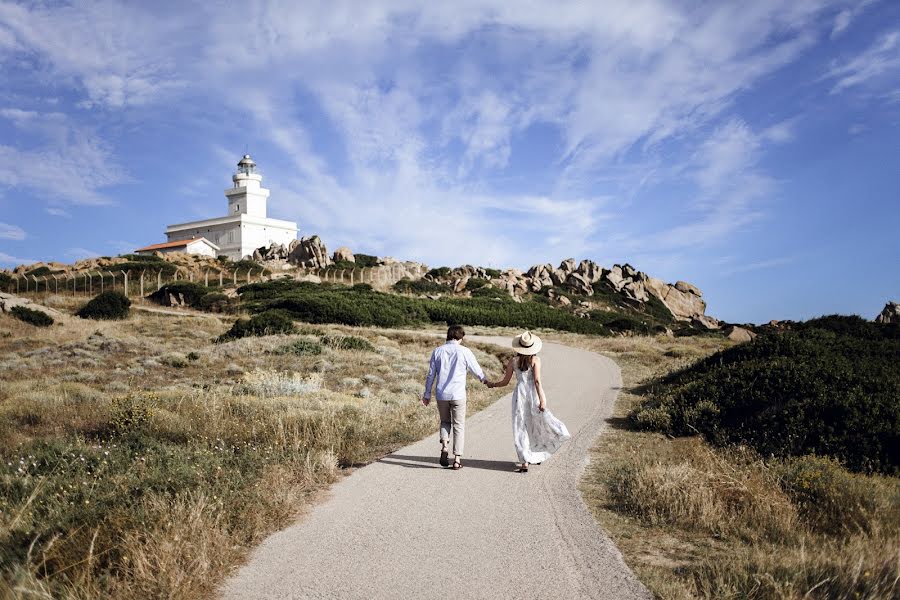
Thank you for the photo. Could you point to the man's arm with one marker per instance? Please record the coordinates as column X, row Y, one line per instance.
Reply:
column 429, row 380
column 473, row 366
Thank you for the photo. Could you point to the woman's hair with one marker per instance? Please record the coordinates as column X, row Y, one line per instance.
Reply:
column 524, row 361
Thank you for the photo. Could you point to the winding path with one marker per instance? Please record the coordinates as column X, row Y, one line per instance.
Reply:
column 405, row 528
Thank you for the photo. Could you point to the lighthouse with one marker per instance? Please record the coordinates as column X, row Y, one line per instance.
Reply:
column 247, row 225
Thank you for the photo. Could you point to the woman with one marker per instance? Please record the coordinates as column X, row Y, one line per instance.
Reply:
column 536, row 432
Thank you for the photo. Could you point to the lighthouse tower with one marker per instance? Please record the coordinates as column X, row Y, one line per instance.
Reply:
column 246, row 227
column 247, row 197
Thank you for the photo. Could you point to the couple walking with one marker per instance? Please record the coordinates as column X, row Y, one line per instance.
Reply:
column 536, row 432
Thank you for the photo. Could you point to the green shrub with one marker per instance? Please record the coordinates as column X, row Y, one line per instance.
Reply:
column 301, row 347
column 492, row 273
column 42, row 271
column 491, row 292
column 131, row 413
column 213, row 302
column 106, row 306
column 247, row 264
column 269, row 322
column 475, row 283
column 828, row 391
column 364, row 261
column 342, row 265
column 188, row 291
column 38, row 318
column 348, row 342
column 439, row 272
column 421, row 286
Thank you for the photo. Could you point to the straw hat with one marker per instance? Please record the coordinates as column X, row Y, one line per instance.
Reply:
column 527, row 343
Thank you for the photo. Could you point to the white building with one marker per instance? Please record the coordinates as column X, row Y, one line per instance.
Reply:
column 246, row 227
column 194, row 246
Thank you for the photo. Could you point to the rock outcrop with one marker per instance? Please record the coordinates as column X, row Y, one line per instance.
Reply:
column 890, row 314
column 739, row 334
column 344, row 254
column 10, row 301
column 309, row 252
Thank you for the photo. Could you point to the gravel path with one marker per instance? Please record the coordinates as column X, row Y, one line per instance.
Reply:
column 405, row 528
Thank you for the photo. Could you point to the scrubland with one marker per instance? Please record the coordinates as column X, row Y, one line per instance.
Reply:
column 695, row 520
column 139, row 458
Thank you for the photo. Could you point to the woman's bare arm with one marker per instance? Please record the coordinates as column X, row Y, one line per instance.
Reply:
column 542, row 402
column 506, row 376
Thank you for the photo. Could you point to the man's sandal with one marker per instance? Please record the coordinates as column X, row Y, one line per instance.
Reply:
column 445, row 462
column 456, row 464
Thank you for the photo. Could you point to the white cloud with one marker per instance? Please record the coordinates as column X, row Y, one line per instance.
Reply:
column 11, row 232
column 58, row 212
column 8, row 259
column 880, row 61
column 70, row 164
column 760, row 265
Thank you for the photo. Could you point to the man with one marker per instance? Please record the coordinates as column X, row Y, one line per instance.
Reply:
column 448, row 366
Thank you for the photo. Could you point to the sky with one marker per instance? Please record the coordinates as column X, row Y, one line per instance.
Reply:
column 750, row 148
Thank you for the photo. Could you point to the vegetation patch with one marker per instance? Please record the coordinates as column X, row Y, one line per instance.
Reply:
column 301, row 347
column 269, row 322
column 186, row 292
column 348, row 342
column 695, row 520
column 38, row 318
column 106, row 306
column 421, row 286
column 829, row 388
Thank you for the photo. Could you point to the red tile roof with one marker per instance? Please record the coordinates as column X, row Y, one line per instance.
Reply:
column 165, row 245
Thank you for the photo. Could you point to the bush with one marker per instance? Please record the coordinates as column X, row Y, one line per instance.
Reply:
column 828, row 388
column 301, row 348
column 439, row 272
column 106, row 306
column 269, row 322
column 475, row 283
column 832, row 500
column 365, row 260
column 42, row 271
column 187, row 291
column 37, row 318
column 213, row 302
column 421, row 286
column 492, row 273
column 348, row 342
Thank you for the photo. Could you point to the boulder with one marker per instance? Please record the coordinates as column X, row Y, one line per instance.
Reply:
column 540, row 276
column 10, row 301
column 890, row 314
column 636, row 291
column 344, row 253
column 579, row 284
column 590, row 270
column 615, row 277
column 629, row 272
column 687, row 288
column 739, row 334
column 310, row 252
column 567, row 266
column 459, row 285
column 563, row 301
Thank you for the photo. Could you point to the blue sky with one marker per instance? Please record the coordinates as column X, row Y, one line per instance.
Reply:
column 752, row 149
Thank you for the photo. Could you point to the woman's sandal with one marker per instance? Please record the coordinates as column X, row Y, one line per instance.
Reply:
column 456, row 464
column 522, row 468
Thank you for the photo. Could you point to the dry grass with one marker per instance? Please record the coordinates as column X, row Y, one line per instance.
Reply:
column 694, row 522
column 140, row 459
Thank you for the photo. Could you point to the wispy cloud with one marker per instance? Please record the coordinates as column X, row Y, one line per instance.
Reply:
column 58, row 212
column 879, row 62
column 11, row 232
column 759, row 265
column 81, row 253
column 70, row 164
column 8, row 259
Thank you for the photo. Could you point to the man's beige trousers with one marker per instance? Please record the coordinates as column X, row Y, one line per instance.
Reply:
column 453, row 418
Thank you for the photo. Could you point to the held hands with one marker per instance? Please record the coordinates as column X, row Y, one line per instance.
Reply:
column 426, row 401
column 541, row 406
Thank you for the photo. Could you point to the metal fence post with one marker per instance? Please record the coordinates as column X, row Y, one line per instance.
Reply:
column 248, row 274
column 142, row 286
column 221, row 276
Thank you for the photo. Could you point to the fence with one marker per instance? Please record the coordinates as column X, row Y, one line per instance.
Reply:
column 141, row 284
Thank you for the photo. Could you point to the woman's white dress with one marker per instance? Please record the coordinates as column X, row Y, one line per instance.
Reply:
column 536, row 434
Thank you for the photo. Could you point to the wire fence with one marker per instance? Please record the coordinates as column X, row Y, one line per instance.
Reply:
column 143, row 283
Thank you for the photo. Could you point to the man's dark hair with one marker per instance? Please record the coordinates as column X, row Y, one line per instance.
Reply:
column 455, row 332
